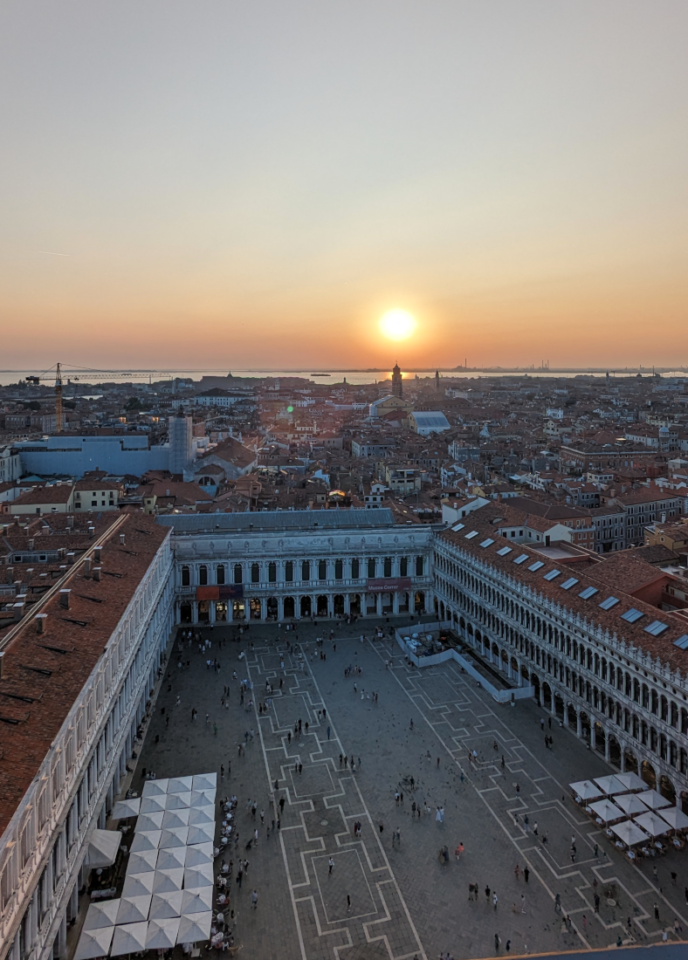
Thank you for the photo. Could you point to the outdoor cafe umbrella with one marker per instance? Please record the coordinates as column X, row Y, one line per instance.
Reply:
column 652, row 823
column 199, row 876
column 179, row 784
column 126, row 808
column 201, row 853
column 195, row 927
column 167, row 880
column 139, row 885
column 155, row 804
column 654, row 800
column 142, row 862
column 165, row 905
column 162, row 934
column 629, row 833
column 94, row 943
column 673, row 816
column 202, row 798
column 606, row 810
column 631, row 804
column 201, row 833
column 586, row 790
column 152, row 788
column 133, row 909
column 631, row 781
column 610, row 785
column 129, row 938
column 101, row 915
column 205, row 781
column 197, row 901
column 178, row 801
column 145, row 840
column 175, row 818
column 171, row 858
column 150, row 821
column 177, row 837
column 201, row 815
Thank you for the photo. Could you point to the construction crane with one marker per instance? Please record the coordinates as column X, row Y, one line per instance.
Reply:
column 88, row 375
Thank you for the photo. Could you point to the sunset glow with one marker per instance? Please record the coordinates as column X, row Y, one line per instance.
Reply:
column 397, row 324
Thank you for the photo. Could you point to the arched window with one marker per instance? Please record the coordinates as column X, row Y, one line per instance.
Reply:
column 203, row 575
column 238, row 573
column 355, row 568
column 186, row 576
column 305, row 570
column 255, row 573
column 338, row 569
column 220, row 573
column 289, row 571
column 272, row 572
column 420, row 566
column 322, row 570
column 403, row 567
column 388, row 567
column 371, row 568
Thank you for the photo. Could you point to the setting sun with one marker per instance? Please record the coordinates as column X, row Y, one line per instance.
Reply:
column 397, row 324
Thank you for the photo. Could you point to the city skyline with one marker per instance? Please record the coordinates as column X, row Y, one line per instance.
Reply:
column 265, row 184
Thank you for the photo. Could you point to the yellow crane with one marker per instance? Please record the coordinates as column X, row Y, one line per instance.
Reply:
column 88, row 375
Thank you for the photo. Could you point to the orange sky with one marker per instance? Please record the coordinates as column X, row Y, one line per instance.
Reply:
column 254, row 185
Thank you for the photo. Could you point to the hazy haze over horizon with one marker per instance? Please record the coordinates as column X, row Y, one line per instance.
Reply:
column 253, row 185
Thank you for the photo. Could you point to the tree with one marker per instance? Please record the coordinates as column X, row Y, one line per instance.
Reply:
column 133, row 403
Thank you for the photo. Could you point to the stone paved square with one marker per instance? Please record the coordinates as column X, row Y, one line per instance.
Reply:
column 405, row 903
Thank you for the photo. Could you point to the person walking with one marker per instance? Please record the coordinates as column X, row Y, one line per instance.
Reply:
column 330, row 864
column 495, row 898
column 254, row 899
column 526, row 874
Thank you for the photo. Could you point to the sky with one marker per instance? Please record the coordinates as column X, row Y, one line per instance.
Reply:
column 231, row 185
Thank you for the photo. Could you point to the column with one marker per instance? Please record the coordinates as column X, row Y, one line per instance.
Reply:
column 579, row 725
column 606, row 746
column 378, row 604
column 395, row 602
column 622, row 748
column 263, row 610
column 211, row 612
column 566, row 715
column 592, row 734
column 347, row 604
column 330, row 606
column 280, row 609
column 194, row 611
column 540, row 697
column 62, row 938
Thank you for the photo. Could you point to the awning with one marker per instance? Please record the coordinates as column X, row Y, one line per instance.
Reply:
column 629, row 833
column 653, row 823
column 101, row 915
column 162, row 934
column 127, row 808
column 610, row 785
column 631, row 804
column 133, row 909
column 586, row 790
column 606, row 811
column 654, row 800
column 674, row 817
column 94, row 943
column 195, row 928
column 129, row 938
column 102, row 848
column 631, row 781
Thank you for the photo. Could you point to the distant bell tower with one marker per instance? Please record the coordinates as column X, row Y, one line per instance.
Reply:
column 437, row 380
column 397, row 382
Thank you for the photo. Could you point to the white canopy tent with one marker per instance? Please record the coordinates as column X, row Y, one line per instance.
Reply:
column 143, row 862
column 180, row 784
column 165, row 905
column 150, row 821
column 162, row 934
column 202, row 798
column 586, row 790
column 139, row 885
column 199, row 815
column 94, row 943
column 171, row 819
column 195, row 927
column 129, row 938
column 199, row 854
column 102, row 914
column 133, row 909
column 676, row 819
column 631, row 804
column 652, row 823
column 654, row 800
column 200, row 876
column 201, row 833
column 168, row 880
column 607, row 811
column 629, row 833
column 176, row 837
column 126, row 808
column 178, row 801
column 102, row 848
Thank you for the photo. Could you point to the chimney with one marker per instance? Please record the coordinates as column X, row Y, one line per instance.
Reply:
column 2, row 655
column 18, row 611
column 17, row 586
column 70, row 558
column 61, row 553
column 91, row 531
column 64, row 599
column 121, row 538
column 97, row 553
column 10, row 574
column 31, row 541
column 40, row 622
column 663, row 518
column 96, row 573
column 87, row 567
column 70, row 520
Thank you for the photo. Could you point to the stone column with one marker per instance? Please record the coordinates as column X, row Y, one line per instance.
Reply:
column 194, row 611
column 592, row 734
column 347, row 604
column 330, row 606
column 606, row 746
column 62, row 938
column 378, row 604
column 280, row 609
column 622, row 748
column 263, row 609
column 395, row 602
column 211, row 612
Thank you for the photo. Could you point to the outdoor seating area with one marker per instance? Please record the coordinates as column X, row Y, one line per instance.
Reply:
column 168, row 892
column 639, row 820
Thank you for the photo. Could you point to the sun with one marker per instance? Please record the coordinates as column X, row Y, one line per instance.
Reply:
column 397, row 324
